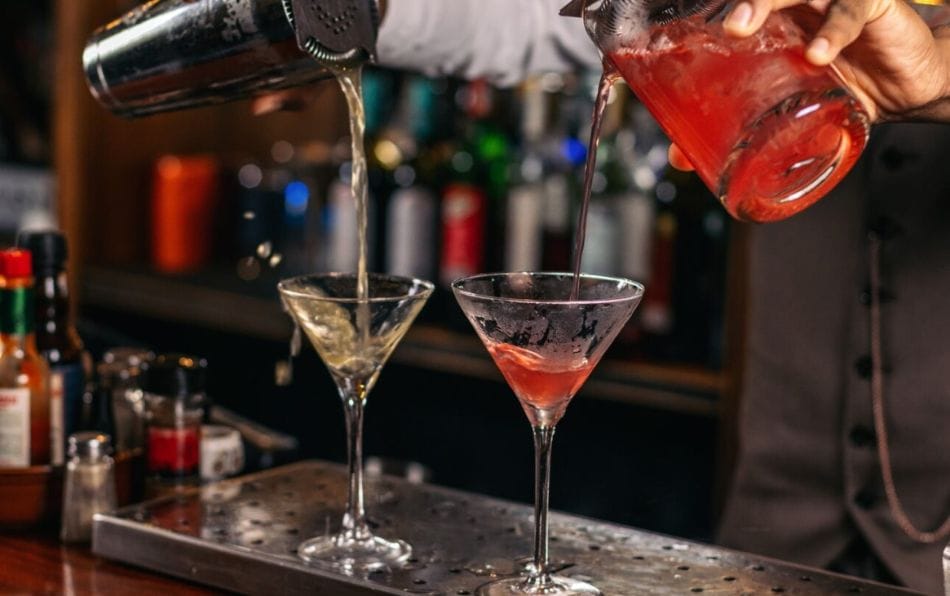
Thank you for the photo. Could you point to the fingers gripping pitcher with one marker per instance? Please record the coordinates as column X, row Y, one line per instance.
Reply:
column 768, row 132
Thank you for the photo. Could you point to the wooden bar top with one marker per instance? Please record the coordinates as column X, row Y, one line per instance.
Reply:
column 38, row 563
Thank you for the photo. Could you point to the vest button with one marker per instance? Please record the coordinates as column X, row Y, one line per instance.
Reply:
column 865, row 499
column 863, row 367
column 862, row 436
column 885, row 228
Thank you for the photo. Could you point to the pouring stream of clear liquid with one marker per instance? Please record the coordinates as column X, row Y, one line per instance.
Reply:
column 350, row 80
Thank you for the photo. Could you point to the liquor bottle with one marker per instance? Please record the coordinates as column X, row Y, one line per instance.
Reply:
column 698, row 272
column 56, row 336
column 564, row 154
column 24, row 376
column 411, row 213
column 464, row 197
column 642, row 153
column 524, row 206
column 657, row 309
column 342, row 230
column 601, row 251
column 492, row 148
column 611, row 183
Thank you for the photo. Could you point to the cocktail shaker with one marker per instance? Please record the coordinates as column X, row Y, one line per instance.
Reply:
column 173, row 54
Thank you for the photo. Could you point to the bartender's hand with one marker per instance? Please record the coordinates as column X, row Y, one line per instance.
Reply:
column 886, row 54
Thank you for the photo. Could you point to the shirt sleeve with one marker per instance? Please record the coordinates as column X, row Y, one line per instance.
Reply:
column 504, row 41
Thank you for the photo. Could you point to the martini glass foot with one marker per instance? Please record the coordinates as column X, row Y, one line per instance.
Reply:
column 557, row 585
column 355, row 556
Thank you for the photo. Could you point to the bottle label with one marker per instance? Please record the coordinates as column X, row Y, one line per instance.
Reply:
column 343, row 246
column 410, row 241
column 342, row 233
column 523, row 221
column 15, row 428
column 16, row 311
column 463, row 232
column 174, row 451
column 557, row 204
column 600, row 253
column 637, row 217
column 56, row 426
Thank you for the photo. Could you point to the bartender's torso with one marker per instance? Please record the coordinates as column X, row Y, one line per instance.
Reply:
column 808, row 479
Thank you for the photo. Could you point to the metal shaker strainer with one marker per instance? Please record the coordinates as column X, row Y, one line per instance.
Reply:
column 174, row 54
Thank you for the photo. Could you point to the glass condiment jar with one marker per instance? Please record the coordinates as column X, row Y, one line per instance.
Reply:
column 175, row 407
column 121, row 378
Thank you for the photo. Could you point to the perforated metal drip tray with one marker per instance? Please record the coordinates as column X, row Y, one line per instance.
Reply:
column 242, row 535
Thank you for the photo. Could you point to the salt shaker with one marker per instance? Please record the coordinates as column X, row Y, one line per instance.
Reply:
column 89, row 486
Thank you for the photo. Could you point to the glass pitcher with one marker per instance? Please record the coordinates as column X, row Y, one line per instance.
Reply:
column 768, row 132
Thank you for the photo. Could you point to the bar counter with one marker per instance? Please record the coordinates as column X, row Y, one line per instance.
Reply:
column 242, row 535
column 39, row 564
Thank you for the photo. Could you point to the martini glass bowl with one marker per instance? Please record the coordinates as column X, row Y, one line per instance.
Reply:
column 354, row 337
column 545, row 345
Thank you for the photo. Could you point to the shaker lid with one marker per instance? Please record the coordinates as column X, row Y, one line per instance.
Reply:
column 89, row 444
column 177, row 375
column 48, row 248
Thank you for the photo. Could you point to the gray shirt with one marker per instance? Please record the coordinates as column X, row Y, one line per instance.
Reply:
column 501, row 40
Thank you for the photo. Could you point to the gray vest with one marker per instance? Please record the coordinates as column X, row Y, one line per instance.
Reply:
column 808, row 480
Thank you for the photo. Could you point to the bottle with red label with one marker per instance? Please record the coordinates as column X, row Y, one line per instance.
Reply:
column 25, row 438
column 464, row 200
column 176, row 402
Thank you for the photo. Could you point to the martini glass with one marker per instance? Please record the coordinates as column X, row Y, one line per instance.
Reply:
column 546, row 346
column 354, row 338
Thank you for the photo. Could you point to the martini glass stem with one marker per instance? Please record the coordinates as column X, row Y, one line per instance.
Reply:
column 354, row 520
column 543, row 437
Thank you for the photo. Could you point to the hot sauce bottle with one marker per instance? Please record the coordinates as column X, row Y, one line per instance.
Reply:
column 24, row 377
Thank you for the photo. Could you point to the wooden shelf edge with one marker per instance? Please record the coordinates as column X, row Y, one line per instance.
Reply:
column 683, row 389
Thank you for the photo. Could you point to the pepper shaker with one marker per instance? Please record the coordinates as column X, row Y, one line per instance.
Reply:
column 89, row 486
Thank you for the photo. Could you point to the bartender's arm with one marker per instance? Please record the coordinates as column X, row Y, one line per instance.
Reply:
column 504, row 41
column 885, row 52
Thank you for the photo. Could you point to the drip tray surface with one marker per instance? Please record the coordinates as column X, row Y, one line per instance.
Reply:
column 242, row 535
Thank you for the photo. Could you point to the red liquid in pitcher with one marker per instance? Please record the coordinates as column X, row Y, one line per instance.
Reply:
column 767, row 131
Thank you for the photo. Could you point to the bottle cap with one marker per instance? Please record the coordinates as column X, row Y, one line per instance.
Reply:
column 176, row 375
column 48, row 248
column 89, row 445
column 15, row 262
